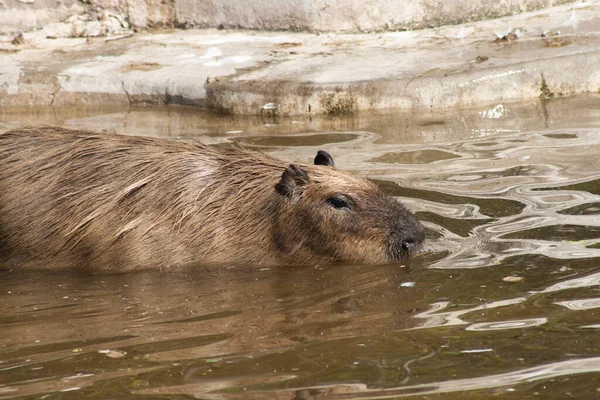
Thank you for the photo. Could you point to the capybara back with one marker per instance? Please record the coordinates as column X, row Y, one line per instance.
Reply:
column 107, row 202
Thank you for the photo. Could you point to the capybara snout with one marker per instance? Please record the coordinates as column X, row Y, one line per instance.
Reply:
column 78, row 199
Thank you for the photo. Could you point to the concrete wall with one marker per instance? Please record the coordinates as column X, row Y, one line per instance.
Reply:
column 297, row 15
column 27, row 15
column 17, row 16
column 345, row 15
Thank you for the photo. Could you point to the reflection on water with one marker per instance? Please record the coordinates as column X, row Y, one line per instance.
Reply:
column 503, row 303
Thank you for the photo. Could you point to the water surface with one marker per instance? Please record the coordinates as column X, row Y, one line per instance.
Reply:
column 506, row 302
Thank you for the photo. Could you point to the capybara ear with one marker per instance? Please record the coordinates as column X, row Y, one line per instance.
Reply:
column 324, row 158
column 292, row 182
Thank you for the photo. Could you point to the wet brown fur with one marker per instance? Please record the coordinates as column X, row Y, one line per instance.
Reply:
column 79, row 199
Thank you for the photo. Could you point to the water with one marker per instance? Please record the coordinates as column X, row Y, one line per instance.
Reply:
column 506, row 301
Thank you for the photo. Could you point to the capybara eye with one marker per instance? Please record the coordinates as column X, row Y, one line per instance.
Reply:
column 338, row 202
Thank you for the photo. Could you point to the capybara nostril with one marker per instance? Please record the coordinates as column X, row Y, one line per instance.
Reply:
column 107, row 202
column 407, row 244
column 406, row 234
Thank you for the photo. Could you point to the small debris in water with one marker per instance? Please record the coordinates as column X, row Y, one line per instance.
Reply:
column 113, row 353
column 80, row 375
column 407, row 284
column 233, row 132
column 270, row 107
column 512, row 278
column 70, row 389
column 477, row 351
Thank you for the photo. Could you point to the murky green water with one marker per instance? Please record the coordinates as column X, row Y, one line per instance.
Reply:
column 506, row 302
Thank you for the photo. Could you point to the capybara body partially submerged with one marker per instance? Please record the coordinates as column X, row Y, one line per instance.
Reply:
column 78, row 199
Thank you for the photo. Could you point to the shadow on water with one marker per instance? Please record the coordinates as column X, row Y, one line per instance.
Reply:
column 504, row 302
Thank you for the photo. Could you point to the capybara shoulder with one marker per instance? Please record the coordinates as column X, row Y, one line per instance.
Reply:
column 99, row 201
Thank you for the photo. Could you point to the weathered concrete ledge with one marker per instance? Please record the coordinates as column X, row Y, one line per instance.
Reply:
column 347, row 16
column 342, row 16
column 548, row 53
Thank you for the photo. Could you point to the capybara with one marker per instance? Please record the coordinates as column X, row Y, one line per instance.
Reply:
column 107, row 202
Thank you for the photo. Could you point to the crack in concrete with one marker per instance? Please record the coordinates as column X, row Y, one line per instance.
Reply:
column 55, row 93
column 126, row 92
column 546, row 92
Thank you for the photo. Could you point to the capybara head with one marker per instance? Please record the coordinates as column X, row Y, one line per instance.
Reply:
column 334, row 214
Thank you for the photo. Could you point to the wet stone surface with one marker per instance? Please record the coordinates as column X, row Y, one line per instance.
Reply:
column 504, row 302
column 547, row 53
